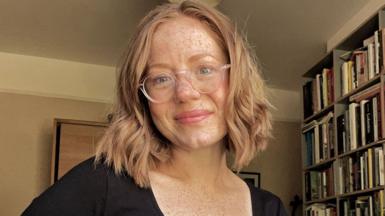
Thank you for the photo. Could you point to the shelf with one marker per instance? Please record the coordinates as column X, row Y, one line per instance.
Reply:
column 345, row 98
column 367, row 146
column 360, row 192
column 367, row 89
column 320, row 165
column 326, row 199
column 319, row 114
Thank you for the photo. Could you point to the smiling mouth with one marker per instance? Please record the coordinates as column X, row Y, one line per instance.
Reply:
column 192, row 116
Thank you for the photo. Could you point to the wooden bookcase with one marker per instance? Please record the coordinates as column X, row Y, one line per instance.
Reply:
column 338, row 107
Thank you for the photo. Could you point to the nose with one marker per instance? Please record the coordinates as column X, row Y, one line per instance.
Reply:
column 184, row 91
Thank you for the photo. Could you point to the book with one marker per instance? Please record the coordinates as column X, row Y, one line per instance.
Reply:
column 307, row 99
column 376, row 169
column 363, row 132
column 321, row 209
column 319, row 184
column 371, row 60
column 341, row 134
column 369, row 123
column 360, row 61
column 370, row 168
column 325, row 87
column 362, row 172
column 381, row 166
column 347, row 131
column 330, row 90
column 374, row 102
column 314, row 96
column 318, row 92
column 381, row 40
column 353, row 125
column 345, row 78
column 376, row 53
column 351, row 76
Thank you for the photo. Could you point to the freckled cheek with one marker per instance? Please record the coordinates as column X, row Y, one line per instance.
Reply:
column 221, row 97
column 160, row 115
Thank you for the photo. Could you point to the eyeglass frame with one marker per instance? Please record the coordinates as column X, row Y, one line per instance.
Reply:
column 142, row 87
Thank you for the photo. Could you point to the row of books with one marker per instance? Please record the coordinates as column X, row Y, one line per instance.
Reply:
column 319, row 92
column 361, row 171
column 321, row 209
column 359, row 66
column 319, row 140
column 319, row 184
column 368, row 205
column 360, row 124
column 362, row 64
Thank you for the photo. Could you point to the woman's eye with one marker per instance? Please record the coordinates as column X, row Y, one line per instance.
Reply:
column 205, row 71
column 161, row 80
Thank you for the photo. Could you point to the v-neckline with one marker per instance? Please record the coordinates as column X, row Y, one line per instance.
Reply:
column 159, row 212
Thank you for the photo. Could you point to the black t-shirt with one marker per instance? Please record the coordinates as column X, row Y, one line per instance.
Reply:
column 90, row 189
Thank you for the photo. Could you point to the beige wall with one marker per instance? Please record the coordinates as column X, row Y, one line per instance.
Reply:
column 280, row 164
column 56, row 78
column 25, row 143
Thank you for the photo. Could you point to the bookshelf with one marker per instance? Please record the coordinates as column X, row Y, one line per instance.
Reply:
column 343, row 130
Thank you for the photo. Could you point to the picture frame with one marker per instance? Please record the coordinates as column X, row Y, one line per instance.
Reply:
column 253, row 177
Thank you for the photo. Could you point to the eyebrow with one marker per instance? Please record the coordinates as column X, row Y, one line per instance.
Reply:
column 193, row 58
column 201, row 55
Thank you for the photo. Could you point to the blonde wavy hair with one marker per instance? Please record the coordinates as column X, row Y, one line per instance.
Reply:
column 133, row 144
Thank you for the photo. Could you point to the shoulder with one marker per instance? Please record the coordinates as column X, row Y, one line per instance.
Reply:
column 80, row 191
column 84, row 171
column 92, row 188
column 266, row 203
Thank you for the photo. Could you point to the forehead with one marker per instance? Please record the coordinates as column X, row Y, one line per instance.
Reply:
column 182, row 37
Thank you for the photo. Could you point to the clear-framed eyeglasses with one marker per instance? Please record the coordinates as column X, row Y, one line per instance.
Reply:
column 161, row 86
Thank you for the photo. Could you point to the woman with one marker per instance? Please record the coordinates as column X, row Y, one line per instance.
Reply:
column 189, row 92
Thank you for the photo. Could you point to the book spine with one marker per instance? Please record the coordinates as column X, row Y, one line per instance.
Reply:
column 344, row 80
column 325, row 87
column 363, row 134
column 375, row 118
column 370, row 168
column 353, row 126
column 371, row 60
column 376, row 53
column 381, row 166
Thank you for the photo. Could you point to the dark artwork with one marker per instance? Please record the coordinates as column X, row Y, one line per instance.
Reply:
column 252, row 177
column 250, row 180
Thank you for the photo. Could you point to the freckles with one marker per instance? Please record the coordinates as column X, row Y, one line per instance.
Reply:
column 196, row 39
column 187, row 39
column 160, row 114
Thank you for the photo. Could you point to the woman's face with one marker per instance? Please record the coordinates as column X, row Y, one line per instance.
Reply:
column 190, row 119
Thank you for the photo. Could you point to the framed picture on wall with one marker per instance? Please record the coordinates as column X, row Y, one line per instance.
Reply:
column 252, row 177
column 73, row 142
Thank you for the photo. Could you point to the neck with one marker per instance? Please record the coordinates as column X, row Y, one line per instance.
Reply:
column 205, row 166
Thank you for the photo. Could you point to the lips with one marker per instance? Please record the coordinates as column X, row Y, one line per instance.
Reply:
column 192, row 116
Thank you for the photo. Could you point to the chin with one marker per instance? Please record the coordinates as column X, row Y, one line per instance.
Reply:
column 200, row 141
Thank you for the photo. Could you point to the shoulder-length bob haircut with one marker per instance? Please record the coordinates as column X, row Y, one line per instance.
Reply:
column 132, row 144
